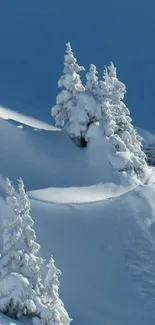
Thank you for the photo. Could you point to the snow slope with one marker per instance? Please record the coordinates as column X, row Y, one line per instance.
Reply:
column 99, row 226
column 103, row 250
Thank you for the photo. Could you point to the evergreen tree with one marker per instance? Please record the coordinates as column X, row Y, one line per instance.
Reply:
column 52, row 281
column 51, row 295
column 12, row 224
column 72, row 106
column 19, row 245
column 123, row 134
column 112, row 89
column 21, row 272
column 71, row 83
column 34, row 264
column 28, row 234
column 16, row 293
column 92, row 84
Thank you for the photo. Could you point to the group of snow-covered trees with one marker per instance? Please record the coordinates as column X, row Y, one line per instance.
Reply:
column 79, row 107
column 28, row 286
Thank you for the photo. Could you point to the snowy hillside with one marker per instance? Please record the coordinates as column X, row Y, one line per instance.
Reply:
column 98, row 224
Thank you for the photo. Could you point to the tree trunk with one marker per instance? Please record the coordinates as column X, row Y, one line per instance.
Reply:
column 83, row 142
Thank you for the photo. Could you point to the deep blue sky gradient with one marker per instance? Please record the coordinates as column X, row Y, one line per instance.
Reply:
column 33, row 34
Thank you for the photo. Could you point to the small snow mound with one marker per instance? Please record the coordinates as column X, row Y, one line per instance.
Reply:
column 94, row 130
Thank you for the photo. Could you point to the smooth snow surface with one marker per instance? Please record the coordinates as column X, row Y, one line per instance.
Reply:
column 105, row 248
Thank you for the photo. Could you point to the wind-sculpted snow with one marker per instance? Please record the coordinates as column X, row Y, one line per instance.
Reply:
column 75, row 195
column 99, row 225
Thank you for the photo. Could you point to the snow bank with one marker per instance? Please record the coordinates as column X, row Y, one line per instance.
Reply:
column 75, row 195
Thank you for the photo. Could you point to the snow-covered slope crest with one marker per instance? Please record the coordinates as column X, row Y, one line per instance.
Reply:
column 8, row 114
column 105, row 248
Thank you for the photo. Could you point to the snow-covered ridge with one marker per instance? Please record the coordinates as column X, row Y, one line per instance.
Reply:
column 8, row 114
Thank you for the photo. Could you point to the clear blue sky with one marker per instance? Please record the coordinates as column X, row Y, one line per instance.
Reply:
column 32, row 38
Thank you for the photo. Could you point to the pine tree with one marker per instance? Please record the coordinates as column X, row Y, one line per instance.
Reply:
column 12, row 224
column 112, row 89
column 56, row 309
column 28, row 234
column 34, row 264
column 16, row 293
column 92, row 84
column 21, row 272
column 123, row 134
column 71, row 107
column 71, row 82
column 19, row 245
column 52, row 281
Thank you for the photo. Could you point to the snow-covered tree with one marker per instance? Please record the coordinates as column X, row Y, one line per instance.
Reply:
column 72, row 106
column 51, row 296
column 52, row 283
column 111, row 91
column 111, row 88
column 19, row 245
column 12, row 224
column 24, row 285
column 28, row 234
column 118, row 120
column 34, row 264
column 71, row 83
column 17, row 298
column 16, row 293
column 92, row 84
